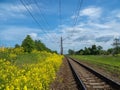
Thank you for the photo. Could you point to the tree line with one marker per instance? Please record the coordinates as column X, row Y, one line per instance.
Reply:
column 98, row 50
column 29, row 45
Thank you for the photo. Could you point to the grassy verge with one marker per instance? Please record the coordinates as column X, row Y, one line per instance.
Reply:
column 23, row 58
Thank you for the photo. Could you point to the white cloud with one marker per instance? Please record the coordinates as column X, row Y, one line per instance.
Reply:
column 11, row 11
column 34, row 36
column 16, row 10
column 100, row 26
column 17, row 33
column 91, row 12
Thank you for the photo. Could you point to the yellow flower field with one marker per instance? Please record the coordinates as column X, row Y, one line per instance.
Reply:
column 30, row 76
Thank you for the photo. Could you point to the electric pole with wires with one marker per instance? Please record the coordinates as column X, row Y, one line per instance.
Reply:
column 61, row 46
column 116, row 45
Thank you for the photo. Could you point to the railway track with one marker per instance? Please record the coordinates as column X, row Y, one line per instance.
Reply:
column 88, row 79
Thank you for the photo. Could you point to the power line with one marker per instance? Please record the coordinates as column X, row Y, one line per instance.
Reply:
column 80, row 2
column 77, row 12
column 60, row 17
column 77, row 15
column 35, row 19
column 42, row 15
column 31, row 15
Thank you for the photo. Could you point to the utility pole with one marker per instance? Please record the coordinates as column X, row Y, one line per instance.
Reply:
column 116, row 44
column 61, row 46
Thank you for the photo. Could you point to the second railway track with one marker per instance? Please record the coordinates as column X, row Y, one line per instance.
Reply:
column 88, row 79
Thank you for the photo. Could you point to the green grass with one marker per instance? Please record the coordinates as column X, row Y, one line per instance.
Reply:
column 29, row 58
column 4, row 55
column 25, row 58
column 108, row 63
column 114, row 61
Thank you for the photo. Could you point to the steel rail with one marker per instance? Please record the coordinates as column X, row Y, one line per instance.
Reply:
column 111, row 82
column 80, row 84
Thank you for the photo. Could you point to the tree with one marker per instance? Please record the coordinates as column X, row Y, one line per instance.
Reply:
column 39, row 45
column 110, row 50
column 28, row 44
column 86, row 51
column 71, row 52
column 99, row 48
column 94, row 50
column 80, row 52
column 54, row 52
column 17, row 45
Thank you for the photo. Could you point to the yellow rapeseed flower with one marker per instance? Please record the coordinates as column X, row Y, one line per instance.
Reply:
column 30, row 76
column 25, row 88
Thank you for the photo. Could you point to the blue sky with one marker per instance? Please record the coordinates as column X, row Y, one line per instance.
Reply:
column 98, row 22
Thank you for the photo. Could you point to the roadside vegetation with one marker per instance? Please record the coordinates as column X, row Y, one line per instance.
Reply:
column 29, row 66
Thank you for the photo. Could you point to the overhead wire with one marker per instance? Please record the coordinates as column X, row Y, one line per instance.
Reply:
column 60, row 16
column 44, row 20
column 31, row 15
column 80, row 2
column 43, row 16
column 77, row 12
column 42, row 29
